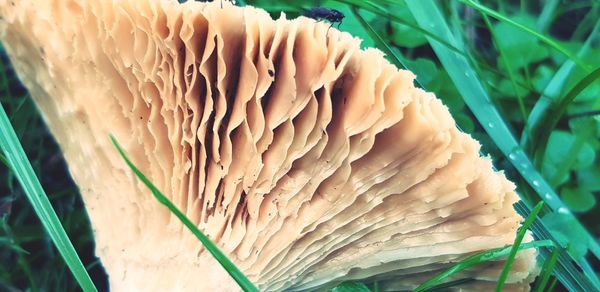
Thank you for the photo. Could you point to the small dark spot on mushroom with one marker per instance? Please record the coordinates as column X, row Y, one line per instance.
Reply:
column 12, row 3
column 271, row 73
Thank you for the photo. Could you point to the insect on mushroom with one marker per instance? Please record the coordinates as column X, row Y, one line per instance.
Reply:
column 329, row 14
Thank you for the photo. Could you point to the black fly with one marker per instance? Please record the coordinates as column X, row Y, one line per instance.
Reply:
column 322, row 13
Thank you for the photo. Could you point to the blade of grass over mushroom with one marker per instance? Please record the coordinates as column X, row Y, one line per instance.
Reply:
column 478, row 259
column 227, row 264
column 484, row 9
column 21, row 167
column 546, row 271
column 515, row 247
column 545, row 103
column 549, row 118
column 477, row 99
column 569, row 275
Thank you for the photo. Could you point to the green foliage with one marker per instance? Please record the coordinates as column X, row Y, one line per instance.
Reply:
column 578, row 199
column 568, row 233
column 521, row 48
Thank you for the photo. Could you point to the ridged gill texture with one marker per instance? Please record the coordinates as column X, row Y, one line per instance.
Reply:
column 306, row 159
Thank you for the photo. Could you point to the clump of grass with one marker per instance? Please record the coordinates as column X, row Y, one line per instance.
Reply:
column 15, row 157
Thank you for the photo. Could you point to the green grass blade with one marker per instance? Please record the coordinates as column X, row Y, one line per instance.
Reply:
column 504, row 61
column 428, row 15
column 552, row 285
column 379, row 41
column 566, row 270
column 547, row 271
column 529, row 140
column 515, row 247
column 477, row 259
column 587, row 22
column 547, row 15
column 4, row 161
column 477, row 99
column 483, row 9
column 371, row 7
column 584, row 114
column 228, row 265
column 21, row 167
column 545, row 124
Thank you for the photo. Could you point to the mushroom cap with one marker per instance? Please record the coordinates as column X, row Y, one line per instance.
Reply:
column 306, row 159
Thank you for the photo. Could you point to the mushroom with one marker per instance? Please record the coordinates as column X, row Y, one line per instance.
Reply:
column 306, row 159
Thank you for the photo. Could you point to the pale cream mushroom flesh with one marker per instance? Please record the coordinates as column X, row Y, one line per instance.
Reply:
column 306, row 159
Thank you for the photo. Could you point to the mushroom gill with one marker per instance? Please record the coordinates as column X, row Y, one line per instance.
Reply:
column 306, row 159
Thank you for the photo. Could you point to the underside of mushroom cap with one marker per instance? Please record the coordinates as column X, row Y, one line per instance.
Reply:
column 306, row 159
